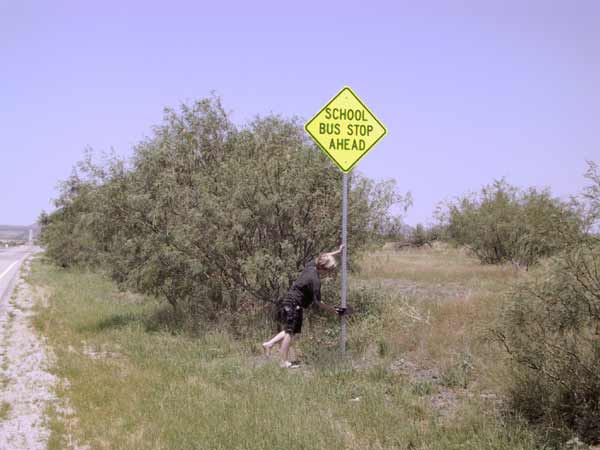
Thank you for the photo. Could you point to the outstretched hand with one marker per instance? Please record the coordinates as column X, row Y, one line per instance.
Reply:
column 340, row 311
column 338, row 251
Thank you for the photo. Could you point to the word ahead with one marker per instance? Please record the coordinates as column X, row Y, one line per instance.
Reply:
column 345, row 129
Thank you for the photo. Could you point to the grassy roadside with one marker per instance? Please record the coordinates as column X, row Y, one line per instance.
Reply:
column 134, row 385
column 438, row 307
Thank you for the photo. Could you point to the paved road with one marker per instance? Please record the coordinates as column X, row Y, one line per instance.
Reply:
column 10, row 261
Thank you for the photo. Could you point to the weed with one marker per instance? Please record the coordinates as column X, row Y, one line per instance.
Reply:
column 4, row 410
column 170, row 388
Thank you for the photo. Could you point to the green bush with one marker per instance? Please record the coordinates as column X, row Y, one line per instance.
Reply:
column 210, row 216
column 66, row 233
column 421, row 236
column 550, row 327
column 505, row 224
column 591, row 196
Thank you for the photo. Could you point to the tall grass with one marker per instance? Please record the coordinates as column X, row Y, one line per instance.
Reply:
column 136, row 383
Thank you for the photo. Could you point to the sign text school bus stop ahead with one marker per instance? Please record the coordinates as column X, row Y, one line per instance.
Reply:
column 345, row 129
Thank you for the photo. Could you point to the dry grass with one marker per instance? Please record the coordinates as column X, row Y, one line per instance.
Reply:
column 4, row 410
column 441, row 264
column 413, row 379
column 439, row 305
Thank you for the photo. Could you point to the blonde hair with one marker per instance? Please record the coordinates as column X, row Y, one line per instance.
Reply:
column 326, row 261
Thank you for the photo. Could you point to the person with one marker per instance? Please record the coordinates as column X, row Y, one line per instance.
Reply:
column 305, row 291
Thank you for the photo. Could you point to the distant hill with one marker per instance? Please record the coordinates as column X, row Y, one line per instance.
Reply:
column 18, row 232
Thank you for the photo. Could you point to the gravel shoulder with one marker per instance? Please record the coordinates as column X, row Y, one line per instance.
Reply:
column 26, row 384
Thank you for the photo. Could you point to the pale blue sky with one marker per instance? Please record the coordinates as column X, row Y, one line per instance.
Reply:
column 469, row 90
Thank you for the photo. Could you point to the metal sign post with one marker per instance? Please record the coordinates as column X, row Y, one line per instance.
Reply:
column 344, row 254
column 345, row 129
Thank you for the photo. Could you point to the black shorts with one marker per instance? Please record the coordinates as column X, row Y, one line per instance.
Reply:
column 289, row 315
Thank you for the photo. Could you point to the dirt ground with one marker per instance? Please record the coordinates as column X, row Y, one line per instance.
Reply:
column 26, row 385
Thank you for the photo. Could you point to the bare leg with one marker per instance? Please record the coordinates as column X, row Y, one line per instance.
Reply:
column 274, row 340
column 285, row 347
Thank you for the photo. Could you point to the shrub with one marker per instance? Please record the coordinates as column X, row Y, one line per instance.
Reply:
column 66, row 233
column 505, row 224
column 210, row 216
column 591, row 196
column 550, row 327
column 422, row 236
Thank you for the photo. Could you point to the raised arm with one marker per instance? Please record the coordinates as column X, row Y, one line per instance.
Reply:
column 337, row 252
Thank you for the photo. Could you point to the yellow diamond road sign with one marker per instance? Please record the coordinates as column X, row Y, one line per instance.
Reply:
column 345, row 129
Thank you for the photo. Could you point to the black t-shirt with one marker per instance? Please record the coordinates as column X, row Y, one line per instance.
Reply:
column 307, row 288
